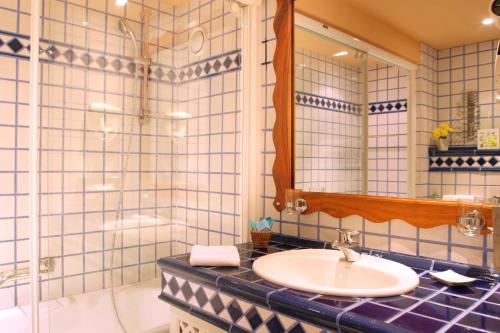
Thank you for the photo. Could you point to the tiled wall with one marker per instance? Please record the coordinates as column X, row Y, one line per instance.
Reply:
column 207, row 174
column 441, row 242
column 387, row 130
column 182, row 180
column 466, row 68
column 328, row 124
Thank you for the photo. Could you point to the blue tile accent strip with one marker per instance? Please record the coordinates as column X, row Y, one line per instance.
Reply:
column 16, row 45
column 326, row 103
column 225, row 310
column 246, row 303
column 388, row 107
column 464, row 159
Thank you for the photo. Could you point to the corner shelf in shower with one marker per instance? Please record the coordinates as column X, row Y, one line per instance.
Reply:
column 464, row 158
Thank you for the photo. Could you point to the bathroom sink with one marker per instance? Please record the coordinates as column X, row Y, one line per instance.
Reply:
column 327, row 272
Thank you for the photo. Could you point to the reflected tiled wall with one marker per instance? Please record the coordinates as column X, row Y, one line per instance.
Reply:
column 328, row 124
column 442, row 242
column 466, row 68
column 387, row 130
column 426, row 115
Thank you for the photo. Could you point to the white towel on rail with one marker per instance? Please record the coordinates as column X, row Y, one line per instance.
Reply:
column 214, row 256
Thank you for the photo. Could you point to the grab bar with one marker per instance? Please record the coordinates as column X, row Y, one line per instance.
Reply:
column 46, row 266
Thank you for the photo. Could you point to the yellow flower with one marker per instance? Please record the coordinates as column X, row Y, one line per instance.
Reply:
column 442, row 131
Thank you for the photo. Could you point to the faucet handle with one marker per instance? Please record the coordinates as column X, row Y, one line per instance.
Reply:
column 351, row 237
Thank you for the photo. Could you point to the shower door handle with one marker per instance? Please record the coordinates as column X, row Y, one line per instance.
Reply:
column 46, row 266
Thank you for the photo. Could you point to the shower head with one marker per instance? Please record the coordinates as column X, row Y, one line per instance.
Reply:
column 127, row 30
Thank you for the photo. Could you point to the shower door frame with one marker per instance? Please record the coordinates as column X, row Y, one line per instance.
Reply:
column 33, row 162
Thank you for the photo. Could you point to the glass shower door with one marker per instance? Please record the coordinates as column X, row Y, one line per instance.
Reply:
column 105, row 195
column 132, row 172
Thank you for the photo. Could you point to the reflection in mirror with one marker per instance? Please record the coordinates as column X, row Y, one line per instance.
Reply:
column 387, row 129
column 403, row 105
column 328, row 115
column 342, row 144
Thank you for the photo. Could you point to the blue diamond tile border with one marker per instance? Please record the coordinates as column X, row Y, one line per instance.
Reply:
column 393, row 106
column 326, row 103
column 458, row 159
column 16, row 45
column 234, row 311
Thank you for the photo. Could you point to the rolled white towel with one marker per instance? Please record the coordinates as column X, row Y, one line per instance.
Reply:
column 456, row 197
column 214, row 256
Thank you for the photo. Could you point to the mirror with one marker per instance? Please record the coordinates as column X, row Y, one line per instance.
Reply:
column 395, row 100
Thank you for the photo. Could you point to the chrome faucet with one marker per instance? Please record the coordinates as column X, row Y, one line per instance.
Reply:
column 348, row 244
column 46, row 266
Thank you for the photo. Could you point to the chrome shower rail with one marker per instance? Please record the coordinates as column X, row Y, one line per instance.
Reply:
column 46, row 266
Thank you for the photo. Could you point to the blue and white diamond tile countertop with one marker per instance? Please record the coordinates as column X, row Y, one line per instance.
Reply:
column 237, row 300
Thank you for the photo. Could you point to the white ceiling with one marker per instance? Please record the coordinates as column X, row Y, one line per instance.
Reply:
column 326, row 47
column 323, row 46
column 438, row 23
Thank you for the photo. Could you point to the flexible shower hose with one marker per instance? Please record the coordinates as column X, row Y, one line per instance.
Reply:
column 119, row 208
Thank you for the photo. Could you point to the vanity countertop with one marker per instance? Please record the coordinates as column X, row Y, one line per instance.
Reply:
column 237, row 300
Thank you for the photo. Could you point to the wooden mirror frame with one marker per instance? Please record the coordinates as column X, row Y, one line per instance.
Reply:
column 421, row 213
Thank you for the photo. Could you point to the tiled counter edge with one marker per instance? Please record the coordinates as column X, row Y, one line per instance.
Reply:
column 236, row 305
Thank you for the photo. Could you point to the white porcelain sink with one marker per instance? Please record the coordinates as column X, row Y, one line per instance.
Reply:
column 326, row 272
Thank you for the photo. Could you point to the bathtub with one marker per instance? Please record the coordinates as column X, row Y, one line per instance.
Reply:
column 138, row 305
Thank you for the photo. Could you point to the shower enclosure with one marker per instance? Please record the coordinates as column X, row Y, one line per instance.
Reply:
column 138, row 155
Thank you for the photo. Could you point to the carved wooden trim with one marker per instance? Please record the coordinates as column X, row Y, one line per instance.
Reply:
column 418, row 212
column 283, row 173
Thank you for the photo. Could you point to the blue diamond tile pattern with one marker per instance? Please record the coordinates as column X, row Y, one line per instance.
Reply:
column 247, row 316
column 388, row 107
column 16, row 45
column 326, row 103
column 464, row 159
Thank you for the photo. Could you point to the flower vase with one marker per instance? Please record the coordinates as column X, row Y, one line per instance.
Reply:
column 443, row 144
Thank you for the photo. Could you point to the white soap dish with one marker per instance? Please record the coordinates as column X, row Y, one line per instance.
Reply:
column 452, row 278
